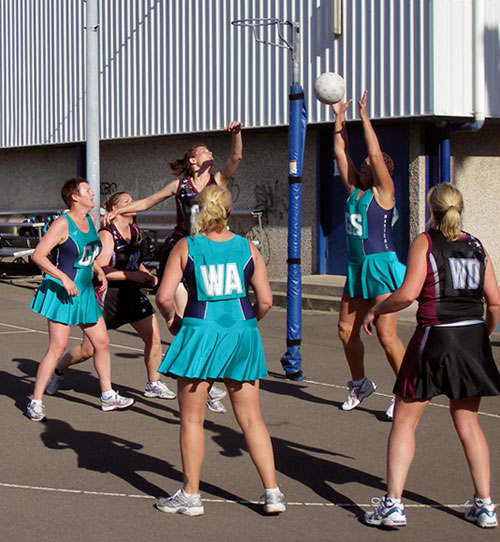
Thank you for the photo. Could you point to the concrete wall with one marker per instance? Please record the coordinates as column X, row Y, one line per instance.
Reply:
column 31, row 178
column 475, row 171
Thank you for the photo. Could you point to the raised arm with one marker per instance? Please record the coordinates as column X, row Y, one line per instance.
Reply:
column 382, row 181
column 143, row 204
column 223, row 176
column 348, row 173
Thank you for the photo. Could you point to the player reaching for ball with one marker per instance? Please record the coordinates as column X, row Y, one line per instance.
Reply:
column 373, row 268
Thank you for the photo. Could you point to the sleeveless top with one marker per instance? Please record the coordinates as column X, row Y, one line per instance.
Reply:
column 127, row 255
column 217, row 276
column 186, row 207
column 453, row 287
column 368, row 226
column 77, row 254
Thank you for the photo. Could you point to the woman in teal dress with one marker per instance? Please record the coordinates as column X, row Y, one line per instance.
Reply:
column 373, row 270
column 66, row 297
column 217, row 339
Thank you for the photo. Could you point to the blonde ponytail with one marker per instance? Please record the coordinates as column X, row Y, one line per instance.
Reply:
column 446, row 205
column 215, row 203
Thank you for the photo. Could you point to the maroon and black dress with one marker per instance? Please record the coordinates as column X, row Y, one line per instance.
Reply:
column 450, row 351
column 186, row 206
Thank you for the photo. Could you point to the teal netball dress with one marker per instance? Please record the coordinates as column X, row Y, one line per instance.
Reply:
column 75, row 257
column 373, row 267
column 219, row 337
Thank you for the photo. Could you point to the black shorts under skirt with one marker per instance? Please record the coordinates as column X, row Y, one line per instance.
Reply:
column 125, row 305
column 455, row 361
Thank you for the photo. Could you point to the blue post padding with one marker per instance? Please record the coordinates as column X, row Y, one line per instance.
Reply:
column 292, row 360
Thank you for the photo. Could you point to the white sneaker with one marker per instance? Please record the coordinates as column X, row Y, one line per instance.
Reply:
column 389, row 413
column 35, row 411
column 482, row 512
column 160, row 390
column 274, row 501
column 54, row 383
column 116, row 402
column 389, row 513
column 216, row 406
column 358, row 393
column 216, row 394
column 181, row 503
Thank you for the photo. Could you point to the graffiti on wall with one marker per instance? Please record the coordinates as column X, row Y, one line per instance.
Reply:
column 108, row 188
column 271, row 198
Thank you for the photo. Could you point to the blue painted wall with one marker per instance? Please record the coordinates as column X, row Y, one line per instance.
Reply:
column 332, row 256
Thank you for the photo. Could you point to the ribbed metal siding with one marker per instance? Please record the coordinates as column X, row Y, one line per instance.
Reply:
column 41, row 72
column 179, row 66
column 385, row 48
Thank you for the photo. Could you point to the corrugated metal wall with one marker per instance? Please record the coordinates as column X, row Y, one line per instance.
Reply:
column 179, row 66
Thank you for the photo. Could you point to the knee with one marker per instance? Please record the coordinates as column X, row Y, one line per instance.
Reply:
column 387, row 336
column 102, row 344
column 346, row 332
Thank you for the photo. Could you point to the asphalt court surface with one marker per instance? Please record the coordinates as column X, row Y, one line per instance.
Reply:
column 83, row 473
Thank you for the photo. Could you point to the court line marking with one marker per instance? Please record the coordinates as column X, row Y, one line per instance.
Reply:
column 29, row 330
column 220, row 501
column 21, row 329
column 325, row 384
column 336, row 386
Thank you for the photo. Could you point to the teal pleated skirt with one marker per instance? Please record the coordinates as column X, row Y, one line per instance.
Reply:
column 52, row 301
column 212, row 350
column 374, row 275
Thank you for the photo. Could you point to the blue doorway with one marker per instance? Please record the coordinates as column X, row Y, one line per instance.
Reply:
column 332, row 254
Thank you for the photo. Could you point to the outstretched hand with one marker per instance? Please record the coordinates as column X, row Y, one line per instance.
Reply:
column 234, row 127
column 108, row 218
column 341, row 107
column 363, row 113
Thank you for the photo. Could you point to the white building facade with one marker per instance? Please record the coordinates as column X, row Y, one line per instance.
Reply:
column 173, row 72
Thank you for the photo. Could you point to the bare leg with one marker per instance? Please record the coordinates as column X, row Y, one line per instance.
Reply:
column 386, row 325
column 150, row 334
column 58, row 340
column 78, row 354
column 192, row 396
column 351, row 315
column 245, row 401
column 401, row 444
column 464, row 415
column 98, row 336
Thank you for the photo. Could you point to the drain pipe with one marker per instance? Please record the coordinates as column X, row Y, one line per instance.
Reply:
column 478, row 74
column 478, row 92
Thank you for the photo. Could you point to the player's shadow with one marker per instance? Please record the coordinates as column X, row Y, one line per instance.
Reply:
column 84, row 383
column 322, row 475
column 104, row 453
column 300, row 391
column 132, row 333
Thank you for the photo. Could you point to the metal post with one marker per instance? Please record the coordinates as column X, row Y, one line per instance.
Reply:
column 295, row 54
column 92, row 104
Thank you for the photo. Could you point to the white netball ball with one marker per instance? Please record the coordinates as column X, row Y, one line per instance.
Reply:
column 329, row 88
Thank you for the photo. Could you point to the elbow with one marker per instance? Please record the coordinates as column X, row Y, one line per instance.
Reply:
column 161, row 300
column 36, row 258
column 266, row 303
